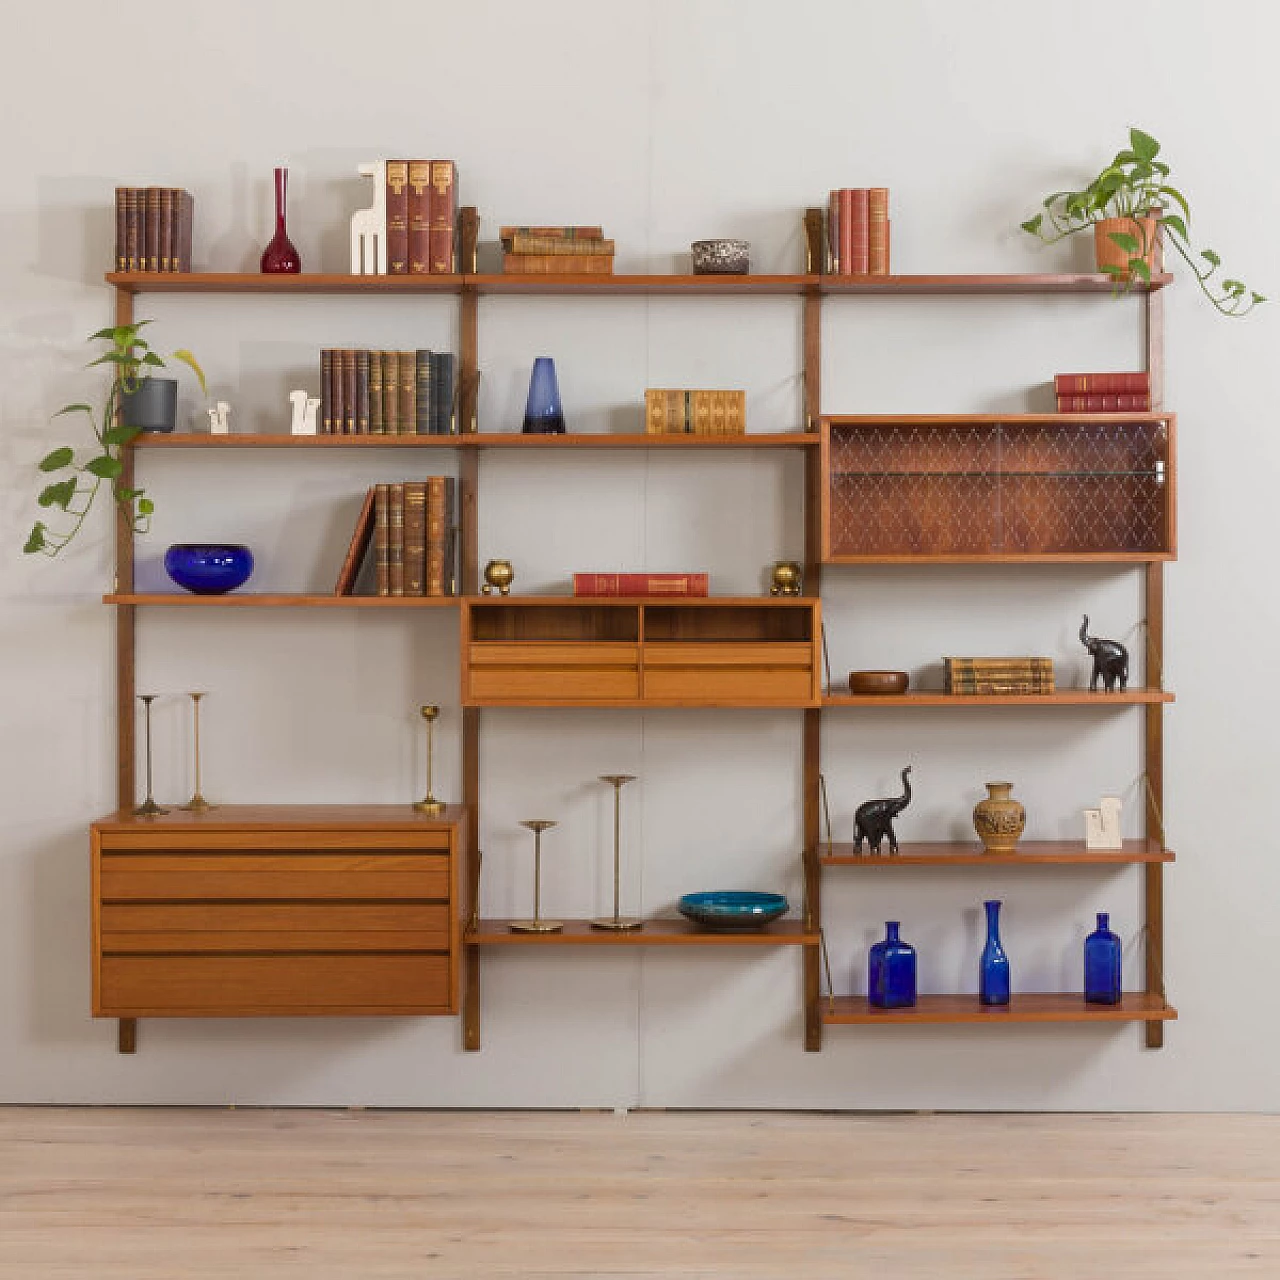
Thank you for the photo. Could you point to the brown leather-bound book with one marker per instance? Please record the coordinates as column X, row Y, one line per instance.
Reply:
column 444, row 187
column 338, row 413
column 133, row 228
column 122, row 229
column 439, row 521
column 563, row 248
column 415, row 538
column 166, row 229
column 151, row 251
column 186, row 222
column 362, row 393
column 377, row 424
column 361, row 536
column 326, row 391
column 860, row 217
column 398, row 217
column 407, row 383
column 419, row 217
column 878, row 231
column 557, row 264
column 395, row 559
column 554, row 233
column 390, row 393
column 833, row 233
column 845, row 195
column 382, row 537
column 348, row 391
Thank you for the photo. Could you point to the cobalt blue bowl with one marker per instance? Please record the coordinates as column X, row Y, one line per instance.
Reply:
column 732, row 909
column 208, row 568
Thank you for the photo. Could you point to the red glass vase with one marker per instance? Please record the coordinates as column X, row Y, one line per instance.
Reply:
column 280, row 257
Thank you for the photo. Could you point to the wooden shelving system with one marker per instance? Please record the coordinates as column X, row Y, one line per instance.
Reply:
column 747, row 651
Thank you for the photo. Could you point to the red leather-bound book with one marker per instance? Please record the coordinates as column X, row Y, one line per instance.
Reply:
column 1102, row 402
column 444, row 187
column 1073, row 384
column 398, row 217
column 133, row 228
column 122, row 229
column 860, row 234
column 326, row 391
column 845, row 203
column 640, row 584
column 415, row 538
column 152, row 250
column 361, row 536
column 166, row 229
column 419, row 217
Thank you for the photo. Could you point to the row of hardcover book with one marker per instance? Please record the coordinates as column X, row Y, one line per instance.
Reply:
column 422, row 215
column 699, row 413
column 153, row 228
column 858, row 231
column 1102, row 392
column 998, row 675
column 387, row 393
column 411, row 528
column 563, row 250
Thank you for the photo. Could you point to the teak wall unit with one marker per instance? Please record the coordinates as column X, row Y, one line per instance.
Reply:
column 928, row 489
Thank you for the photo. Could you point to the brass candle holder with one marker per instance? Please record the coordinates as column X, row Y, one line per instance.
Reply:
column 617, row 922
column 148, row 808
column 197, row 803
column 429, row 804
column 537, row 924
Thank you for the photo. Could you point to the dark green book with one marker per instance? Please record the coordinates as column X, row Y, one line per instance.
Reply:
column 442, row 386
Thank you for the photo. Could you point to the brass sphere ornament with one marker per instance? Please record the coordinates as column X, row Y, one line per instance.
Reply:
column 429, row 804
column 498, row 577
column 786, row 578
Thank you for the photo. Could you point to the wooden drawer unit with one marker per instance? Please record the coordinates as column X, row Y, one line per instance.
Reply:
column 553, row 673
column 742, row 673
column 243, row 911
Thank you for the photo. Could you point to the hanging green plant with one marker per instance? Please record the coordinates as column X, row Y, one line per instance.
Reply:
column 1128, row 205
column 130, row 358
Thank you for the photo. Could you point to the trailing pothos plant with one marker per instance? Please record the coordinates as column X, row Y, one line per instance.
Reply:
column 130, row 359
column 1135, row 185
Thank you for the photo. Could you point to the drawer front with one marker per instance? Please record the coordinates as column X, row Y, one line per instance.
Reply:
column 553, row 672
column 178, row 876
column 789, row 654
column 554, row 654
column 302, row 841
column 737, row 686
column 248, row 985
column 141, row 927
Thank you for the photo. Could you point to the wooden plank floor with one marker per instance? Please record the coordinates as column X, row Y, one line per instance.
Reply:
column 361, row 1195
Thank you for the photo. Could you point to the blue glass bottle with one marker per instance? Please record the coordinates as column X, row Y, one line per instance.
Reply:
column 1103, row 952
column 891, row 973
column 993, row 973
column 543, row 413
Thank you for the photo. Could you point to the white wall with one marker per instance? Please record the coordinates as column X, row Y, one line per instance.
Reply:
column 666, row 122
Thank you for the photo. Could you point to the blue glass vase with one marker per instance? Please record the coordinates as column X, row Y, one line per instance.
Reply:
column 543, row 413
column 891, row 973
column 993, row 974
column 1102, row 959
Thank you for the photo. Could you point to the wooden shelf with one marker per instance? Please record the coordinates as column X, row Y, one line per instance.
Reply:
column 285, row 817
column 1134, row 1006
column 980, row 284
column 479, row 440
column 656, row 933
column 255, row 282
column 251, row 600
column 1059, row 698
column 686, row 285
column 1030, row 853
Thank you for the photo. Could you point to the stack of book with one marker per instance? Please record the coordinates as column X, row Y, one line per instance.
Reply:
column 555, row 251
column 698, row 413
column 640, row 584
column 153, row 228
column 411, row 528
column 1102, row 392
column 998, row 675
column 422, row 213
column 858, row 231
column 387, row 393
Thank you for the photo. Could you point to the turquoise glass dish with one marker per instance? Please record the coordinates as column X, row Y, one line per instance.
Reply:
column 732, row 908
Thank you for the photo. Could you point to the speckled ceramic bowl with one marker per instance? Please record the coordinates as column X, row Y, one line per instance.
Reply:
column 721, row 257
column 732, row 908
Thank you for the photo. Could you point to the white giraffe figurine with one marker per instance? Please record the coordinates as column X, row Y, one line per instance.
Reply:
column 1102, row 825
column 369, row 226
column 219, row 419
column 304, row 413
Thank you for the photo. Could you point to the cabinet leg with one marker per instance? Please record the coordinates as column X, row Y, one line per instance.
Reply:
column 127, row 1035
column 471, row 998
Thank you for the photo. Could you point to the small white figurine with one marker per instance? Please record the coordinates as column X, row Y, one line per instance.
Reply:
column 304, row 413
column 218, row 419
column 1102, row 825
column 369, row 226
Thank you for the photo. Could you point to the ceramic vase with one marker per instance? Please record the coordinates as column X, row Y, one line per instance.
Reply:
column 280, row 257
column 999, row 819
column 993, row 971
column 891, row 972
column 1103, row 953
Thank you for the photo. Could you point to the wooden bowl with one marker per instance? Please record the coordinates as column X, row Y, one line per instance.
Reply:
column 878, row 682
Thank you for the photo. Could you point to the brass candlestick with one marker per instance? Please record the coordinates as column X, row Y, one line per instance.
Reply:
column 429, row 804
column 148, row 808
column 616, row 921
column 537, row 924
column 197, row 803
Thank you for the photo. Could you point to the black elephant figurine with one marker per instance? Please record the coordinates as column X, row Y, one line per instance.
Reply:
column 873, row 819
column 1110, row 660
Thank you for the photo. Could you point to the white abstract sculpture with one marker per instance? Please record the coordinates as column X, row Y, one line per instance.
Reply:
column 1102, row 825
column 218, row 419
column 304, row 413
column 369, row 226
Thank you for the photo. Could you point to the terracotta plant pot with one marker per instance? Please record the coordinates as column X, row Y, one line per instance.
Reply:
column 999, row 819
column 1110, row 254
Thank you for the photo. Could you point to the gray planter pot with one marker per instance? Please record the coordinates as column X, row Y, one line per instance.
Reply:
column 153, row 406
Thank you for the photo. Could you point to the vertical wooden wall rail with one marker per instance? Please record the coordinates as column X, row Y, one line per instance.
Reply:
column 126, row 680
